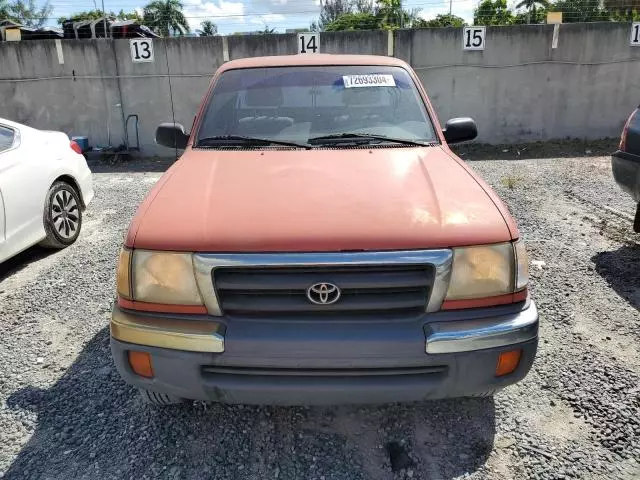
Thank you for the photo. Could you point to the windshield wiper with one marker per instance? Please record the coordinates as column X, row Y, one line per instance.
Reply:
column 256, row 141
column 366, row 137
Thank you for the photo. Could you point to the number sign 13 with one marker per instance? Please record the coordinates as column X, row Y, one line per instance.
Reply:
column 141, row 50
column 309, row 42
column 473, row 38
column 634, row 41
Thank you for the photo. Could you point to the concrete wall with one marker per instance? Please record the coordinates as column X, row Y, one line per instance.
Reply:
column 517, row 89
column 520, row 89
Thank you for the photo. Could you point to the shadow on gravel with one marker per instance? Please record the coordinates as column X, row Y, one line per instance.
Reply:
column 621, row 269
column 570, row 148
column 140, row 165
column 91, row 425
column 22, row 260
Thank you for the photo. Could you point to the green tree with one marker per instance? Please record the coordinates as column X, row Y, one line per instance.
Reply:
column 625, row 15
column 208, row 29
column 166, row 17
column 536, row 15
column 80, row 16
column 493, row 12
column 354, row 21
column 122, row 15
column 364, row 15
column 442, row 20
column 530, row 5
column 96, row 14
column 580, row 11
column 623, row 10
column 331, row 10
column 267, row 30
column 364, row 6
column 29, row 14
column 4, row 9
column 391, row 13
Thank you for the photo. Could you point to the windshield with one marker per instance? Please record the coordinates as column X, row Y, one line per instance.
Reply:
column 298, row 104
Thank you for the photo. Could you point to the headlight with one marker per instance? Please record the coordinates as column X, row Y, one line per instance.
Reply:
column 522, row 265
column 483, row 271
column 158, row 277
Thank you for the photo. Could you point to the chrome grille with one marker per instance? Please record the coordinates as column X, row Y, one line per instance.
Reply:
column 365, row 290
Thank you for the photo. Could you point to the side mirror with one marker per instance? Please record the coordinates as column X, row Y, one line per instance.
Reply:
column 460, row 129
column 172, row 135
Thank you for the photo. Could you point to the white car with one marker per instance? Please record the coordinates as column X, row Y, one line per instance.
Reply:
column 45, row 184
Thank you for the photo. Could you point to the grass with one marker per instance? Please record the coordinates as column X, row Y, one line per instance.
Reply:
column 511, row 181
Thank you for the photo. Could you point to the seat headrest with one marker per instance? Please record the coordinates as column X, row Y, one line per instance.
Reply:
column 361, row 96
column 264, row 97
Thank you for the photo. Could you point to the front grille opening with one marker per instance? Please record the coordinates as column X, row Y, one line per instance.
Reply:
column 388, row 290
column 324, row 372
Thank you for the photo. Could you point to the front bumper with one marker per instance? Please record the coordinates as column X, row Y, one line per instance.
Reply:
column 259, row 361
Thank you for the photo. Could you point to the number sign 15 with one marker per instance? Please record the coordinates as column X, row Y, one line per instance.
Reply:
column 309, row 42
column 634, row 41
column 141, row 50
column 473, row 38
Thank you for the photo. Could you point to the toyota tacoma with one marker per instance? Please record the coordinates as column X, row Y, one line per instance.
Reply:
column 319, row 243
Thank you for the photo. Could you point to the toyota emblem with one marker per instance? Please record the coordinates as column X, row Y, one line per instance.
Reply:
column 323, row 293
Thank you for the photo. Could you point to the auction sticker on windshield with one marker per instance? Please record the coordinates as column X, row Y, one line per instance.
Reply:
column 353, row 81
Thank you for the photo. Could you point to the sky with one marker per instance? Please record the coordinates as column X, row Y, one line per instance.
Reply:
column 251, row 15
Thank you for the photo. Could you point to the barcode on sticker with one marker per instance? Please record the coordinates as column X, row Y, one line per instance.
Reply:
column 353, row 81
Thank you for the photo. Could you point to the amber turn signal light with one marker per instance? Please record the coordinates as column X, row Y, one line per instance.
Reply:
column 508, row 362
column 141, row 363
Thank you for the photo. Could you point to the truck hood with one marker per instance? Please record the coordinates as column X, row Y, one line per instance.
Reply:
column 318, row 200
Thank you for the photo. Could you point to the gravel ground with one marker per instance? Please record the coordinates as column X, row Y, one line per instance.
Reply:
column 65, row 413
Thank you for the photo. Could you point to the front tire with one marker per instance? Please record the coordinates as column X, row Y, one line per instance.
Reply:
column 158, row 399
column 62, row 216
column 636, row 222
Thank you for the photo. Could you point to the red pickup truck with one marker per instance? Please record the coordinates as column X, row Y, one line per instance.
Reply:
column 319, row 243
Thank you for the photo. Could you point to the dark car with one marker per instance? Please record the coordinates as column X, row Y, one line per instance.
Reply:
column 626, row 162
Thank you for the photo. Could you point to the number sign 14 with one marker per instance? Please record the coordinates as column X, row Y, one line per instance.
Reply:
column 634, row 41
column 141, row 50
column 473, row 38
column 309, row 42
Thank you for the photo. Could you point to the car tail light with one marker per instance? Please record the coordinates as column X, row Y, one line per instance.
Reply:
column 623, row 138
column 75, row 147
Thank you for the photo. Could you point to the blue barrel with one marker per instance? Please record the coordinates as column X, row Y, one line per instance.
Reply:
column 83, row 142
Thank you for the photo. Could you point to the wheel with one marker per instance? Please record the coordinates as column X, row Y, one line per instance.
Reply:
column 158, row 399
column 636, row 222
column 62, row 216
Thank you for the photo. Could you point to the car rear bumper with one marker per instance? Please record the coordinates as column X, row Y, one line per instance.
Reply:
column 626, row 172
column 86, row 186
column 332, row 362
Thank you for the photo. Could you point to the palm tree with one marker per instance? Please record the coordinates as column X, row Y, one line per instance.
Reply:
column 531, row 5
column 392, row 13
column 166, row 17
column 395, row 16
column 208, row 29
